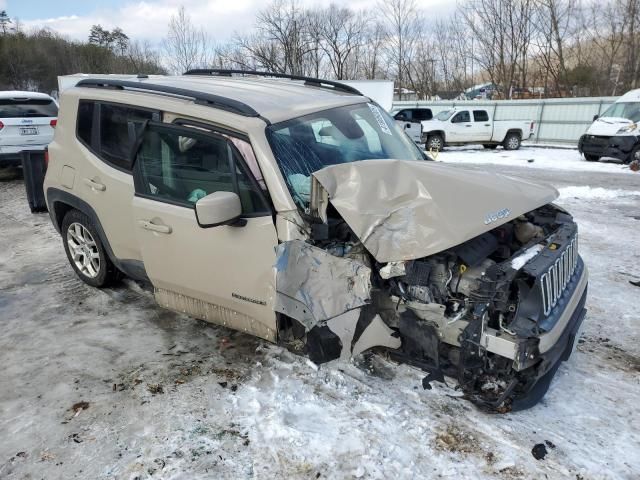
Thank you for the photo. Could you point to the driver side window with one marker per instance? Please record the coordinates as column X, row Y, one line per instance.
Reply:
column 180, row 165
column 461, row 117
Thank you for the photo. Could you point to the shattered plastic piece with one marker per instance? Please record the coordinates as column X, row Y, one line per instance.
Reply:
column 313, row 286
column 404, row 210
column 393, row 269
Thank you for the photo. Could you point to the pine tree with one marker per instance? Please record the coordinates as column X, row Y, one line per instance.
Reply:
column 5, row 22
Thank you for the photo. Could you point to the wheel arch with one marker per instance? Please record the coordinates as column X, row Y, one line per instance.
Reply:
column 435, row 132
column 61, row 202
column 513, row 130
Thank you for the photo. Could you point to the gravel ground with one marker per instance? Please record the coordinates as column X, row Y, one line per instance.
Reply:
column 104, row 384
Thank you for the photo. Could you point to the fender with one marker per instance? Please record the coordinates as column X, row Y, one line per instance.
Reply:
column 60, row 202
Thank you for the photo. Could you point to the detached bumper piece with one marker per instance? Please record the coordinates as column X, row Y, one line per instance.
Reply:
column 619, row 147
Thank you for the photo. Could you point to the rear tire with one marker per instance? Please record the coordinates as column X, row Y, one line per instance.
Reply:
column 591, row 158
column 85, row 251
column 434, row 142
column 490, row 146
column 511, row 141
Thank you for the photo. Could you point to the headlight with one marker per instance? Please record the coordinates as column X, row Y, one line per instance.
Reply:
column 628, row 128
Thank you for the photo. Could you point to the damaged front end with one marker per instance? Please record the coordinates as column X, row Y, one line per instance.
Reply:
column 492, row 297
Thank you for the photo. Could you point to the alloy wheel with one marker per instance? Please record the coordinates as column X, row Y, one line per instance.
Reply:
column 513, row 142
column 83, row 249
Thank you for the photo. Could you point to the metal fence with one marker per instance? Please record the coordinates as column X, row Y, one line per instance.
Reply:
column 558, row 120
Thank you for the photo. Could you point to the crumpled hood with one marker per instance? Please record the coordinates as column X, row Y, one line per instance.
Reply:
column 403, row 210
column 608, row 126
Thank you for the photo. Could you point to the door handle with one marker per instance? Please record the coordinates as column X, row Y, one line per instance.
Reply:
column 487, row 124
column 148, row 225
column 95, row 185
column 469, row 126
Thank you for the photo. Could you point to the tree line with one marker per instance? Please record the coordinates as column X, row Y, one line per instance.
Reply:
column 32, row 60
column 522, row 48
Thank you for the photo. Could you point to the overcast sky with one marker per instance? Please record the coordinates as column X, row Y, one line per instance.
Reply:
column 147, row 19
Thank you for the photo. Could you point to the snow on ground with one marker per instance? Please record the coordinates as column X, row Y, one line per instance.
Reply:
column 530, row 157
column 171, row 397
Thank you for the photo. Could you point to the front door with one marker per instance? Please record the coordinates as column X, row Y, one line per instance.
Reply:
column 222, row 274
column 460, row 129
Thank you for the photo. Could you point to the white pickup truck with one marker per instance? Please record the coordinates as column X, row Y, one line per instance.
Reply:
column 459, row 126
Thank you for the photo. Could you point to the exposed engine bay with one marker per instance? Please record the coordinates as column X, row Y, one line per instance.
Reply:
column 474, row 312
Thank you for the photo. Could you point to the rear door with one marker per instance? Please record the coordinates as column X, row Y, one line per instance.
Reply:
column 482, row 129
column 222, row 274
column 27, row 121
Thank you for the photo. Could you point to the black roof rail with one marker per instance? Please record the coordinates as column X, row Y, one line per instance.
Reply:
column 201, row 98
column 315, row 82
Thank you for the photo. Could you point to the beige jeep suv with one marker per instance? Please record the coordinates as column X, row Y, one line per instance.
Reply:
column 294, row 209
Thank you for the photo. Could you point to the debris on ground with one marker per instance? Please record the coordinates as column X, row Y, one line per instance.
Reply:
column 635, row 283
column 155, row 388
column 634, row 166
column 539, row 451
column 78, row 407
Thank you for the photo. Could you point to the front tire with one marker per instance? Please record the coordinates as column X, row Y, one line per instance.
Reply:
column 435, row 142
column 512, row 141
column 591, row 158
column 85, row 251
column 635, row 155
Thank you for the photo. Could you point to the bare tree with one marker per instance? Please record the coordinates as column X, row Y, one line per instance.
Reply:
column 370, row 54
column 282, row 42
column 502, row 31
column 402, row 27
column 342, row 33
column 186, row 46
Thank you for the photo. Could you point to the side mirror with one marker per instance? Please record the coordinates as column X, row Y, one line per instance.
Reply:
column 595, row 117
column 218, row 208
column 408, row 125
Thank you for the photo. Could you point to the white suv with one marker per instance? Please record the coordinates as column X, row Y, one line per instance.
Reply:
column 27, row 122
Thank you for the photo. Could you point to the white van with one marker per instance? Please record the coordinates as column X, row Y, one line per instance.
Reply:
column 615, row 133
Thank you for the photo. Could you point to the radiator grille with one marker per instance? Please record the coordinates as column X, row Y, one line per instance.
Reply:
column 555, row 280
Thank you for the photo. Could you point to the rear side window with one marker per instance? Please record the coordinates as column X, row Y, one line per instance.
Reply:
column 27, row 107
column 404, row 115
column 85, row 121
column 480, row 116
column 422, row 114
column 181, row 165
column 109, row 130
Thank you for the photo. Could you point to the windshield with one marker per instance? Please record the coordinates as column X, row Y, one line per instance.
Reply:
column 345, row 134
column 27, row 107
column 445, row 115
column 628, row 110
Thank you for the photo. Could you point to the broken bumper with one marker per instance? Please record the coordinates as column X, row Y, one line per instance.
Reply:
column 555, row 347
column 619, row 147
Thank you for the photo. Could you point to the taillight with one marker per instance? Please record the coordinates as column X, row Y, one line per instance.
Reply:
column 53, row 123
column 532, row 124
column 46, row 157
column 1, row 125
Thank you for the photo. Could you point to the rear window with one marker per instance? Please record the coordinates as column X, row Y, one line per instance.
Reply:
column 27, row 107
column 111, row 132
column 422, row 114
